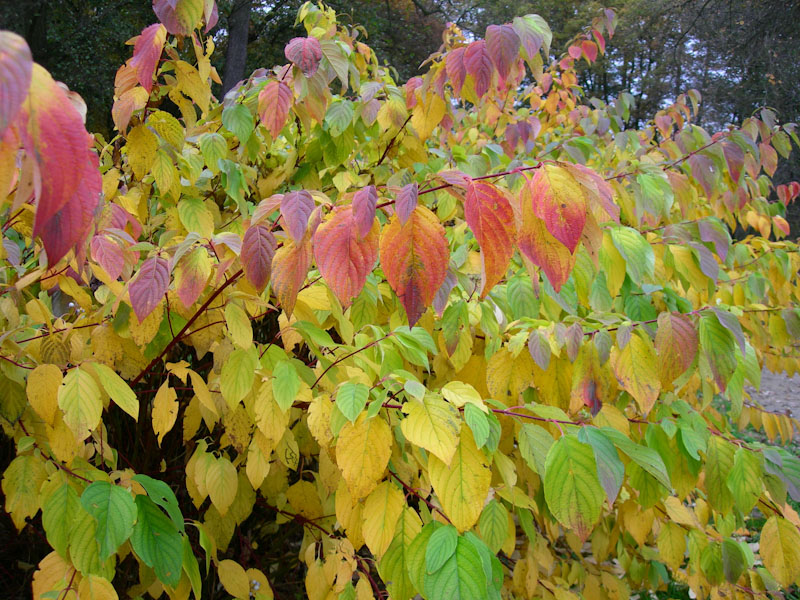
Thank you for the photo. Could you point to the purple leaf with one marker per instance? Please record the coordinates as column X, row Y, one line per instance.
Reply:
column 364, row 203
column 295, row 210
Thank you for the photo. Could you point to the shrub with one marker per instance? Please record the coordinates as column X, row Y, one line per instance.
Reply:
column 460, row 337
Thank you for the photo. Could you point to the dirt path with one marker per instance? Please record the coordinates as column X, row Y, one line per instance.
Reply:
column 779, row 393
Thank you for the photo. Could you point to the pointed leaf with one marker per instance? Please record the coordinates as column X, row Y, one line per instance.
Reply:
column 119, row 391
column 382, row 509
column 296, row 208
column 109, row 255
column 441, row 546
column 433, row 424
column 305, row 53
column 258, row 250
column 478, row 64
column 490, row 217
column 180, row 17
column 636, row 370
column 115, row 512
column 191, row 275
column 559, row 202
column 147, row 52
column 364, row 202
column 362, row 453
column 290, row 266
column 148, row 288
column 676, row 345
column 157, row 542
column 344, row 255
column 414, row 258
column 503, row 45
column 571, row 486
column 406, row 202
column 79, row 398
column 16, row 68
column 351, row 398
column 780, row 550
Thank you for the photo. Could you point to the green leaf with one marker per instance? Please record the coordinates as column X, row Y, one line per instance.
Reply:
column 339, row 117
column 571, row 487
column 59, row 514
column 394, row 566
column 351, row 398
column 610, row 469
column 286, row 384
column 441, row 546
column 162, row 494
column 478, row 422
column 460, row 578
column 157, row 542
column 115, row 512
column 239, row 120
column 79, row 398
column 237, row 375
column 416, row 555
column 196, row 218
column 192, row 569
column 493, row 525
column 534, row 444
column 119, row 391
column 647, row 458
column 719, row 462
column 214, row 148
column 734, row 561
column 639, row 258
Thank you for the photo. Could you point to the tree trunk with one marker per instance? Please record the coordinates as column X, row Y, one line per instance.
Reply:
column 236, row 55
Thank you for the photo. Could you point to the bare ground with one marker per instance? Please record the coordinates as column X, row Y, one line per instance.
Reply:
column 779, row 393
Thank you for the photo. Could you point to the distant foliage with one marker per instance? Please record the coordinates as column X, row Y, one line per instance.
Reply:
column 466, row 337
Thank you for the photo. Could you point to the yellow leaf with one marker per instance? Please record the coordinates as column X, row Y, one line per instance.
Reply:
column 234, row 579
column 202, row 393
column 507, row 377
column 142, row 147
column 257, row 464
column 53, row 574
column 165, row 410
column 21, row 483
column 459, row 393
column 672, row 544
column 362, row 453
column 120, row 392
column 269, row 417
column 432, row 424
column 427, row 114
column 238, row 325
column 43, row 385
column 349, row 514
column 79, row 398
column 93, row 587
column 382, row 509
column 636, row 370
column 780, row 550
column 364, row 590
column 221, row 482
column 304, row 499
column 463, row 485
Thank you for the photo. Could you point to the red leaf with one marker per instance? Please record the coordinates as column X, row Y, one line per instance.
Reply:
column 109, row 255
column 364, row 203
column 478, row 64
column 414, row 258
column 589, row 50
column 146, row 53
column 290, row 266
column 406, row 202
column 274, row 104
column 180, row 17
column 16, row 68
column 295, row 210
column 305, row 53
column 503, row 44
column 454, row 66
column 539, row 246
column 491, row 219
column 412, row 85
column 601, row 41
column 53, row 134
column 558, row 200
column 149, row 286
column 258, row 250
column 344, row 255
column 575, row 52
column 734, row 158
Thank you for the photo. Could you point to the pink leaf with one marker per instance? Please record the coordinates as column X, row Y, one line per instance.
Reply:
column 406, row 202
column 295, row 210
column 180, row 17
column 274, row 104
column 210, row 14
column 364, row 203
column 146, row 53
column 344, row 255
column 503, row 43
column 258, row 249
column 478, row 64
column 16, row 67
column 589, row 50
column 575, row 52
column 305, row 53
column 149, row 287
column 109, row 255
column 290, row 266
column 454, row 65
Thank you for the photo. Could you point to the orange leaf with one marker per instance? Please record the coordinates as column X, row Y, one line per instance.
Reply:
column 676, row 345
column 559, row 201
column 289, row 269
column 491, row 218
column 541, row 248
column 414, row 258
column 343, row 256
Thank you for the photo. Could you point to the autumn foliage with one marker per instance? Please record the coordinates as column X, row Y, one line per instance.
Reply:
column 463, row 337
